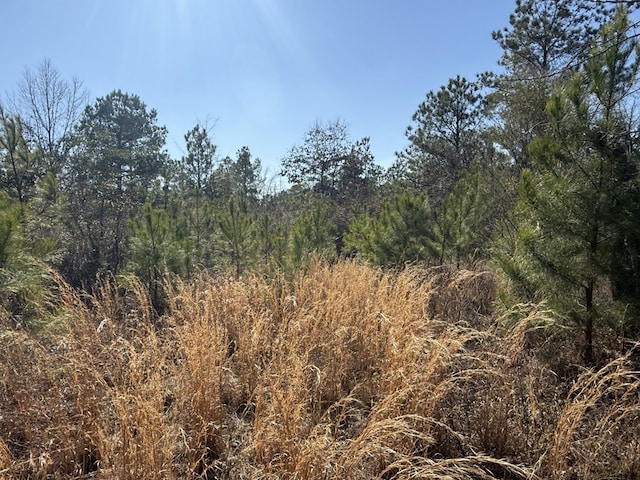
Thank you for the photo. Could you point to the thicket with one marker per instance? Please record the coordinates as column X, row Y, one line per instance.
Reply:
column 345, row 371
column 472, row 312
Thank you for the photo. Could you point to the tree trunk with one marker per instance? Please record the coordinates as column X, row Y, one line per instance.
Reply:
column 588, row 324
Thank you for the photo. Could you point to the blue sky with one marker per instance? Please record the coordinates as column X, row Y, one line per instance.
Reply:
column 263, row 70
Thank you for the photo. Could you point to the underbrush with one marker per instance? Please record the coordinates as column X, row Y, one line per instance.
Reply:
column 346, row 372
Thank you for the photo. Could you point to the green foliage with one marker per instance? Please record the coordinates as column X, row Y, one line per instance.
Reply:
column 116, row 159
column 104, row 195
column 576, row 204
column 401, row 234
column 445, row 139
column 316, row 163
column 547, row 36
column 26, row 287
column 240, row 177
column 330, row 164
column 20, row 166
column 154, row 250
column 122, row 144
column 313, row 235
column 30, row 227
column 10, row 215
column 195, row 215
column 198, row 164
column 199, row 226
column 358, row 176
column 330, row 167
column 521, row 108
column 45, row 221
column 408, row 230
column 238, row 234
column 545, row 43
column 271, row 242
column 463, row 225
column 246, row 174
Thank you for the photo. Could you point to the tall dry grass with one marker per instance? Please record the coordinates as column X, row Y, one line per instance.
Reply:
column 343, row 372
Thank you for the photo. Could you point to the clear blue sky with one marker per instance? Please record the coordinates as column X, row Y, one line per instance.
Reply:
column 264, row 70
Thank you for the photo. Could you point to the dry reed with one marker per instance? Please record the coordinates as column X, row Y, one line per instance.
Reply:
column 343, row 372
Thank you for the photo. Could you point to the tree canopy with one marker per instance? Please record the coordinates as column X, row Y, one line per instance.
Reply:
column 533, row 170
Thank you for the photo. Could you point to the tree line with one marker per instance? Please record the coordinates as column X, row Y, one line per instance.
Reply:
column 534, row 168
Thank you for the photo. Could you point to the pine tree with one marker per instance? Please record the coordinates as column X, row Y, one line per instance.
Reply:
column 402, row 233
column 575, row 204
column 313, row 235
column 196, row 168
column 463, row 225
column 246, row 176
column 26, row 288
column 445, row 138
column 545, row 43
column 154, row 250
column 20, row 165
column 114, row 164
column 238, row 233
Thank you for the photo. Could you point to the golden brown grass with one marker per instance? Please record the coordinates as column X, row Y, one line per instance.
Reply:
column 345, row 372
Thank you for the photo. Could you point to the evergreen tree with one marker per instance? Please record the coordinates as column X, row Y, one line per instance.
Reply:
column 402, row 233
column 26, row 288
column 577, row 202
column 246, row 178
column 357, row 187
column 271, row 239
column 20, row 164
column 313, row 235
column 546, row 41
column 329, row 163
column 154, row 250
column 197, row 170
column 358, row 177
column 446, row 138
column 198, row 164
column 45, row 222
column 238, row 233
column 117, row 157
column 463, row 225
column 547, row 37
column 316, row 163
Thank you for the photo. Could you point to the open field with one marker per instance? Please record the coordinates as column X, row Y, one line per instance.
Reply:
column 345, row 372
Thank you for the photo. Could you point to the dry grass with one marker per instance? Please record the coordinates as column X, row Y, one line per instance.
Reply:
column 345, row 372
column 598, row 434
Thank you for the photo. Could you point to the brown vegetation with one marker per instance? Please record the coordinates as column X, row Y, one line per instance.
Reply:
column 344, row 372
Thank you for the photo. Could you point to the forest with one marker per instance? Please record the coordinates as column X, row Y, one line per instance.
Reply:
column 470, row 312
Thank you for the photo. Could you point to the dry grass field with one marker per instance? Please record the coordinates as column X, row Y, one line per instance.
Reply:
column 345, row 372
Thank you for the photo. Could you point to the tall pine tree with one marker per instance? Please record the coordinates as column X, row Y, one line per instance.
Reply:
column 578, row 201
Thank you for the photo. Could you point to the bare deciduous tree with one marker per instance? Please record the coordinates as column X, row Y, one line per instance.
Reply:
column 49, row 107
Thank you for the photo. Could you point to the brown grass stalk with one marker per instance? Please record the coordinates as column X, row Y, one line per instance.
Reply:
column 344, row 371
